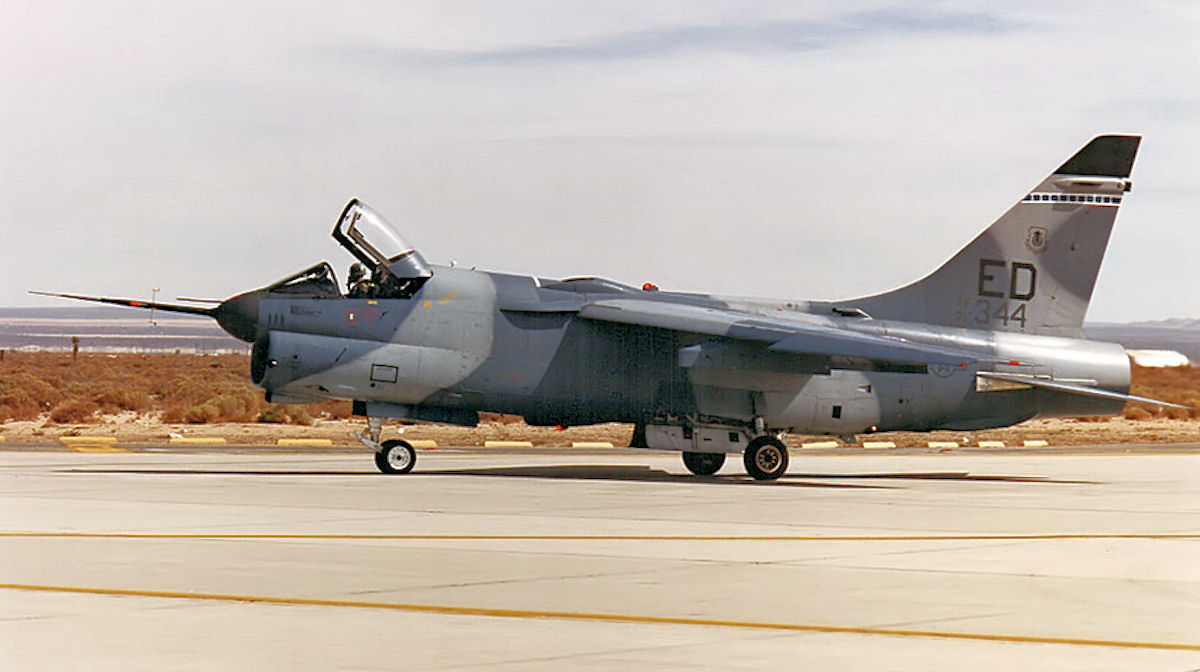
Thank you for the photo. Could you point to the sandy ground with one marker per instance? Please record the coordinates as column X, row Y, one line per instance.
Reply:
column 130, row 427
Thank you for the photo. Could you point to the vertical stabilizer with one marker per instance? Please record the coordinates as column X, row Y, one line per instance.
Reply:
column 1034, row 269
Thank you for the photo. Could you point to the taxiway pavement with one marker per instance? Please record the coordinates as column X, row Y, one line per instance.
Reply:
column 482, row 560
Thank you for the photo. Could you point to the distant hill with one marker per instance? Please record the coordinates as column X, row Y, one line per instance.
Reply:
column 1180, row 334
column 112, row 329
column 88, row 312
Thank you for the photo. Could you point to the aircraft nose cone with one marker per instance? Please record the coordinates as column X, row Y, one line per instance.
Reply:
column 239, row 315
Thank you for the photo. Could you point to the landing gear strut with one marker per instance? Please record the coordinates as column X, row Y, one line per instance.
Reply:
column 766, row 458
column 393, row 456
column 703, row 464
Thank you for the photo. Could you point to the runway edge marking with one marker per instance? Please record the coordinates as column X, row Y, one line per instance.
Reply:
column 601, row 617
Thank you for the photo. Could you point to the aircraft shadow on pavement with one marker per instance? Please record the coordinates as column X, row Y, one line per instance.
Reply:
column 645, row 473
column 612, row 472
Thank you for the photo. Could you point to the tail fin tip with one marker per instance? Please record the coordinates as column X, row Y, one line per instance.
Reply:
column 1104, row 156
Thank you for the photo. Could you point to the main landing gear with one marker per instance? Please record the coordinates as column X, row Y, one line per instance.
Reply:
column 393, row 456
column 766, row 458
column 703, row 464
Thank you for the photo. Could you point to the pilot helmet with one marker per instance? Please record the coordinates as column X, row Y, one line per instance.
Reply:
column 357, row 272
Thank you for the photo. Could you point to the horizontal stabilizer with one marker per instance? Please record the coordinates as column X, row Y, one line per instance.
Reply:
column 1074, row 388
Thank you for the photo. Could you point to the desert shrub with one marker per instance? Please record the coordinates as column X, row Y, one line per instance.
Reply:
column 298, row 415
column 201, row 414
column 1178, row 413
column 31, row 389
column 1137, row 413
column 115, row 399
column 74, row 411
column 333, row 410
column 234, row 407
column 16, row 404
column 273, row 413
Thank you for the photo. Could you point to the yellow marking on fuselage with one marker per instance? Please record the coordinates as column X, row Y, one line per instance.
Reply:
column 448, row 298
column 492, row 612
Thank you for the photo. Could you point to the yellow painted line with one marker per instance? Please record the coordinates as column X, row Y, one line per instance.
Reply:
column 598, row 537
column 879, row 444
column 1038, row 443
column 96, row 448
column 422, row 443
column 197, row 439
column 991, row 444
column 591, row 444
column 942, row 444
column 821, row 444
column 304, row 442
column 507, row 444
column 91, row 444
column 492, row 612
column 2, row 438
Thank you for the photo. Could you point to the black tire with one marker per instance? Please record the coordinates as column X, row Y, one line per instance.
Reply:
column 766, row 458
column 397, row 457
column 638, row 440
column 703, row 464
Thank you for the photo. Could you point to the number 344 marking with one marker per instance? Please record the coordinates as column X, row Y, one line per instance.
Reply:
column 1005, row 312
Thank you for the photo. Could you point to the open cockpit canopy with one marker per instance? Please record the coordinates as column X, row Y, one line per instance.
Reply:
column 397, row 270
column 316, row 281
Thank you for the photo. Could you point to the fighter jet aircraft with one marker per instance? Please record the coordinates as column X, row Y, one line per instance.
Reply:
column 991, row 338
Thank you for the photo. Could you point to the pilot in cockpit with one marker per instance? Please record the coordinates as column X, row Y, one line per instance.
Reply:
column 356, row 282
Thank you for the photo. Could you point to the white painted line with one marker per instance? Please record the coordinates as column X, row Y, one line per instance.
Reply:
column 821, row 444
column 304, row 442
column 197, row 439
column 1035, row 443
column 879, row 444
column 992, row 444
column 942, row 444
column 591, row 444
column 507, row 444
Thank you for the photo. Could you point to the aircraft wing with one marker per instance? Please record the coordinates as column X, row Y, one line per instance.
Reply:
column 1073, row 388
column 780, row 335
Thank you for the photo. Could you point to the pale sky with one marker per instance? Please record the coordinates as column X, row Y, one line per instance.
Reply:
column 814, row 150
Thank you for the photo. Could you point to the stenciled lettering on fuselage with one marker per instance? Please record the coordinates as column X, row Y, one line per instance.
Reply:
column 1003, row 289
column 356, row 316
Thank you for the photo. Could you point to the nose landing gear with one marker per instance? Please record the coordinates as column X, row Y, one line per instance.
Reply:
column 391, row 457
column 397, row 457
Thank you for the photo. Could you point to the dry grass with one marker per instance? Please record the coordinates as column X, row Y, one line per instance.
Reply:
column 167, row 389
column 179, row 388
column 1180, row 385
